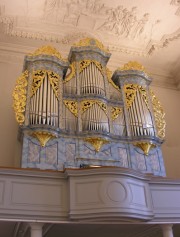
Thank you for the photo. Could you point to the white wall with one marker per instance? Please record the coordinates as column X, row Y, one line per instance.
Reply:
column 10, row 147
column 170, row 99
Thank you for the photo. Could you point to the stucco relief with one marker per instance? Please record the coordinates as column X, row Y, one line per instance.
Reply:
column 118, row 25
column 177, row 4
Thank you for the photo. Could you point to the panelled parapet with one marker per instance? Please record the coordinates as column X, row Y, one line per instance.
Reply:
column 75, row 113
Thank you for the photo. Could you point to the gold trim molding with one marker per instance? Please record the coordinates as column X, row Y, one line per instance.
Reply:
column 19, row 97
column 97, row 142
column 43, row 137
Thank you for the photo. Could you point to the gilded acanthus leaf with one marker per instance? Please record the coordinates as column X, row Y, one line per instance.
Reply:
column 91, row 43
column 158, row 115
column 86, row 104
column 72, row 106
column 109, row 76
column 86, row 63
column 132, row 65
column 48, row 50
column 130, row 93
column 72, row 72
column 39, row 76
column 115, row 112
column 19, row 97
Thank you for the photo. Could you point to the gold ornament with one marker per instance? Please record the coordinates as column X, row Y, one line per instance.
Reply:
column 92, row 43
column 54, row 79
column 72, row 106
column 86, row 63
column 86, row 104
column 132, row 65
column 72, row 72
column 43, row 137
column 97, row 142
column 145, row 146
column 115, row 111
column 38, row 77
column 109, row 76
column 130, row 93
column 19, row 97
column 48, row 50
column 158, row 115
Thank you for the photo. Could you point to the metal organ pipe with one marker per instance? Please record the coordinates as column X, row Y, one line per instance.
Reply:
column 44, row 105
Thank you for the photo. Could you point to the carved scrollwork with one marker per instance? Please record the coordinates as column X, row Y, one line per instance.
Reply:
column 109, row 76
column 38, row 77
column 143, row 92
column 159, row 115
column 130, row 93
column 19, row 97
column 86, row 63
column 88, row 103
column 72, row 106
column 72, row 72
column 92, row 43
column 54, row 81
column 48, row 50
column 132, row 65
column 115, row 112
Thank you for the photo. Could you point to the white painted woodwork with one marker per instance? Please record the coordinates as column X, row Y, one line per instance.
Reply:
column 87, row 194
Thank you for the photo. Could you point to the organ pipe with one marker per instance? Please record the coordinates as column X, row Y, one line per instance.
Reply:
column 44, row 105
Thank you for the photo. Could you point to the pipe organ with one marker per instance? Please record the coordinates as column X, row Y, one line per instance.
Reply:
column 79, row 112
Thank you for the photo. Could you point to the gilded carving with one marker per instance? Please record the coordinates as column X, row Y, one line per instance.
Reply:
column 132, row 65
column 54, row 81
column 145, row 146
column 158, row 115
column 86, row 63
column 72, row 72
column 130, row 93
column 115, row 112
column 86, row 104
column 19, row 97
column 143, row 92
column 38, row 77
column 109, row 76
column 43, row 137
column 91, row 43
column 48, row 50
column 72, row 106
column 97, row 142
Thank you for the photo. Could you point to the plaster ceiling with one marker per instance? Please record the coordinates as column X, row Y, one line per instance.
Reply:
column 142, row 30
